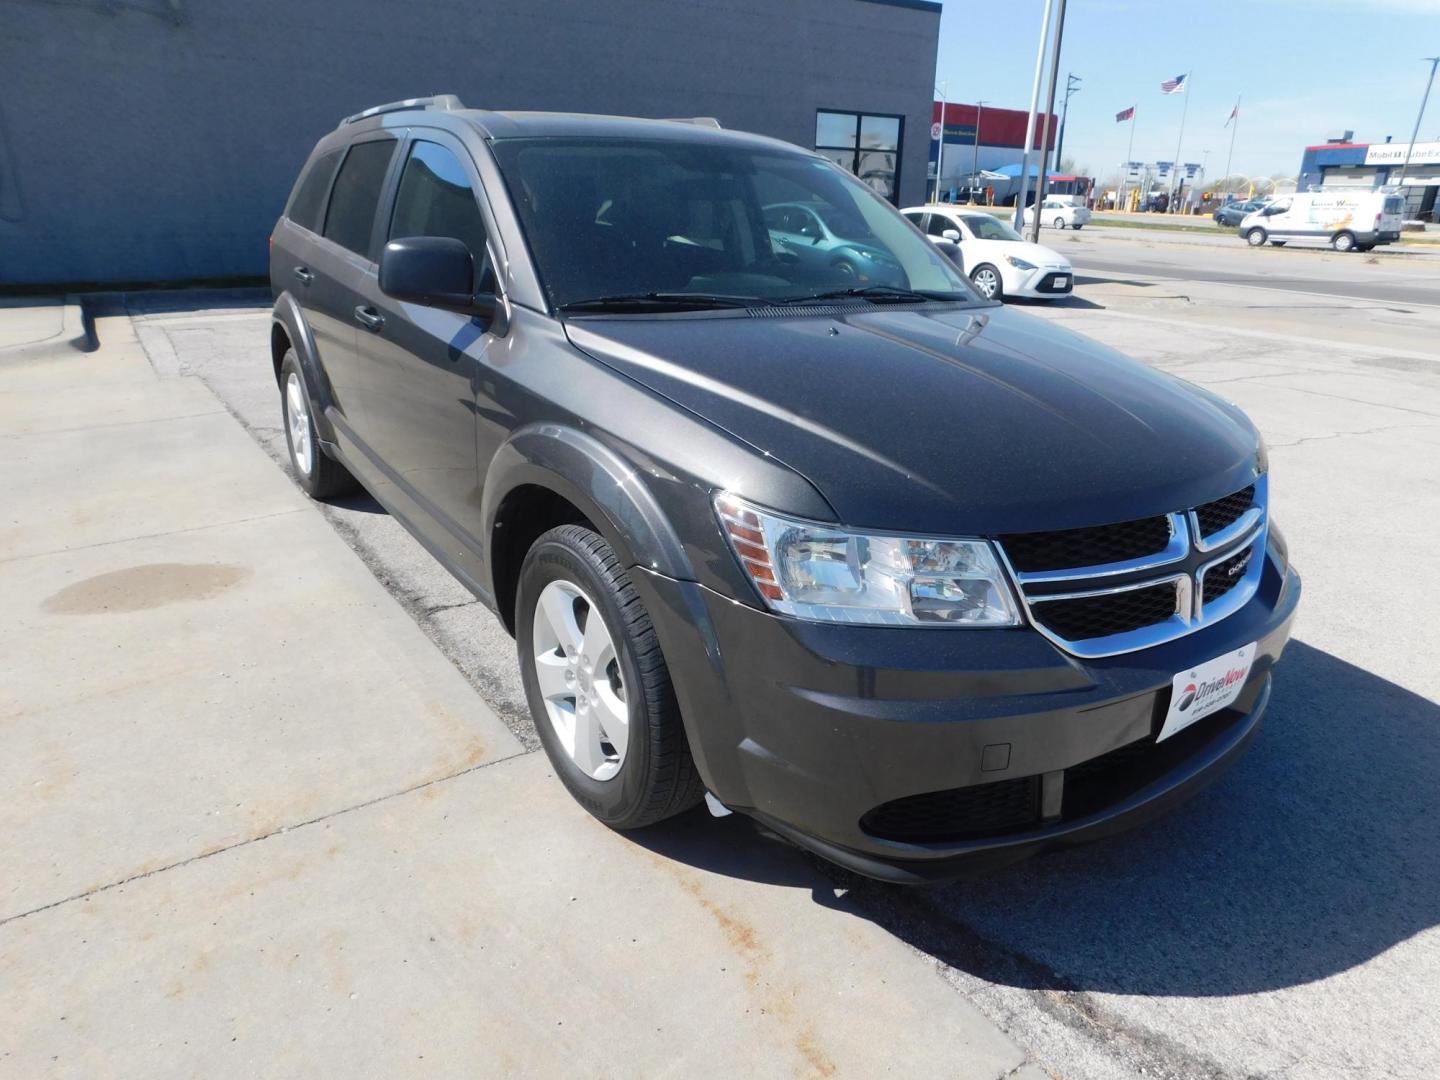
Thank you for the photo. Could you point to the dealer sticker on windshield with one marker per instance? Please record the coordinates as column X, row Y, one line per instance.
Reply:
column 1202, row 690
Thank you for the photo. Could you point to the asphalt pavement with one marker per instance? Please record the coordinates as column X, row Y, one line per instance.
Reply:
column 1284, row 923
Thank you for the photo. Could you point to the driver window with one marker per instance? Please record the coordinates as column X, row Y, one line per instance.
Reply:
column 940, row 225
column 435, row 199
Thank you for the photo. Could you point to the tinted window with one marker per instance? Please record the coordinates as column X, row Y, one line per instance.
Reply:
column 940, row 224
column 309, row 199
column 609, row 216
column 435, row 199
column 357, row 193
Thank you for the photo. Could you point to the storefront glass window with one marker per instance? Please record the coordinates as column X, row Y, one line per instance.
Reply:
column 867, row 145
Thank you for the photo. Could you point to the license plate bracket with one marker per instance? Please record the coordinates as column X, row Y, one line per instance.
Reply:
column 1206, row 688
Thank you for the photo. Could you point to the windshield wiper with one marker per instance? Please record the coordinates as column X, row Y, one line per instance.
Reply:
column 678, row 300
column 868, row 292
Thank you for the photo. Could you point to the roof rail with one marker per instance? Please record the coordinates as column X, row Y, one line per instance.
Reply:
column 700, row 121
column 444, row 102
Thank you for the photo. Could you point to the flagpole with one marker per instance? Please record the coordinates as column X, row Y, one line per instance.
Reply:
column 1129, row 155
column 1185, row 88
column 1231, row 154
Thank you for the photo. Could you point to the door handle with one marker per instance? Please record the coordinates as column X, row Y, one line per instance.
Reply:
column 304, row 275
column 369, row 318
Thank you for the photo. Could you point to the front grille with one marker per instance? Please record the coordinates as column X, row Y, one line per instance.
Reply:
column 1223, row 577
column 1093, row 546
column 958, row 814
column 1222, row 513
column 1082, row 617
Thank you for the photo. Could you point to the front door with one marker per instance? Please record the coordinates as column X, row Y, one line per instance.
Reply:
column 425, row 364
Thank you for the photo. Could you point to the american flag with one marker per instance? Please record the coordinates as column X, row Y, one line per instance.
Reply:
column 1125, row 114
column 1175, row 85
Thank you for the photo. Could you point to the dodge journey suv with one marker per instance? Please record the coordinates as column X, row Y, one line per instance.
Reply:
column 794, row 523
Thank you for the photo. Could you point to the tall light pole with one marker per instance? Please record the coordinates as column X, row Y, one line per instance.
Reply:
column 1071, row 87
column 1049, row 112
column 1405, row 165
column 943, row 88
column 1019, row 219
column 975, row 162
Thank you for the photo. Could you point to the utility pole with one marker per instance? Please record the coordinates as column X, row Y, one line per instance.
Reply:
column 944, row 88
column 1045, row 128
column 1019, row 220
column 1070, row 88
column 975, row 163
column 1405, row 165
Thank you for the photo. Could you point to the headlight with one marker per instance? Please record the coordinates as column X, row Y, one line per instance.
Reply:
column 1019, row 264
column 817, row 571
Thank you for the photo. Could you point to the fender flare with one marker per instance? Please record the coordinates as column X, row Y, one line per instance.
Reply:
column 593, row 477
column 290, row 318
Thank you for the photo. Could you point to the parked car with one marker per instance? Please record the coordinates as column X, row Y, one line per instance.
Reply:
column 1232, row 214
column 1346, row 220
column 994, row 256
column 914, row 579
column 1059, row 214
column 827, row 237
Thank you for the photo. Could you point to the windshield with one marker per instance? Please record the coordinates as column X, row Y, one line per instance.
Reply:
column 626, row 218
column 986, row 227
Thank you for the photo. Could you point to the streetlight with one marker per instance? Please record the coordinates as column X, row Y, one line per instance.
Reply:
column 942, row 90
column 1071, row 87
column 975, row 164
column 1405, row 165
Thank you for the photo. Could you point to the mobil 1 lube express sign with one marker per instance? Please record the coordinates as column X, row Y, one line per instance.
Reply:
column 1425, row 153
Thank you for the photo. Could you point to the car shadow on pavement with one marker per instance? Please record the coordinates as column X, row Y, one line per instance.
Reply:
column 1315, row 853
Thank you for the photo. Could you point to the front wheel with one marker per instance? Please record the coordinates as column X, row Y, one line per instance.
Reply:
column 987, row 280
column 317, row 473
column 597, row 685
column 1059, row 223
column 1256, row 237
column 1343, row 241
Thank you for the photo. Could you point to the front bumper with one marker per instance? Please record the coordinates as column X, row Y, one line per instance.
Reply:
column 1045, row 282
column 812, row 728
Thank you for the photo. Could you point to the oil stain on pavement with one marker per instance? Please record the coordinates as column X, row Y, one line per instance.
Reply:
column 139, row 588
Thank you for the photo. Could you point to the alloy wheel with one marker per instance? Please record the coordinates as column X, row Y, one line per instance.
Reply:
column 580, row 679
column 297, row 414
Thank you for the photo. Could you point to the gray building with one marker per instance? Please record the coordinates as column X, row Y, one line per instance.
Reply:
column 156, row 140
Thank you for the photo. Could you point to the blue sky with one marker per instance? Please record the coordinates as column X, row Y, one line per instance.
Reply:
column 1305, row 68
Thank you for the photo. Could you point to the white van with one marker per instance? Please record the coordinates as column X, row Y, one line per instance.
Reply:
column 1346, row 220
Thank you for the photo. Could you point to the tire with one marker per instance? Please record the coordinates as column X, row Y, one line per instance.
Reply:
column 987, row 279
column 650, row 777
column 1060, row 223
column 1343, row 241
column 1256, row 237
column 320, row 475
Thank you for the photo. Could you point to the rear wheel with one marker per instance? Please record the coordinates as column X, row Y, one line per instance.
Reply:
column 1343, row 241
column 1256, row 237
column 597, row 684
column 987, row 280
column 320, row 475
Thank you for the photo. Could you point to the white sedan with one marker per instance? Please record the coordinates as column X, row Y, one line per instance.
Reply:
column 1059, row 214
column 997, row 259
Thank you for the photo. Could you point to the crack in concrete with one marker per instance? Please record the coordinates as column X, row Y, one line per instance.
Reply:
column 257, row 839
column 1349, row 434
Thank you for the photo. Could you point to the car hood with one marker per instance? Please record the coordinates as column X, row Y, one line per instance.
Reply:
column 952, row 421
column 1038, row 254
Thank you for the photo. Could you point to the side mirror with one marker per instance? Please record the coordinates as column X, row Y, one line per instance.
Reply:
column 953, row 235
column 437, row 271
column 949, row 249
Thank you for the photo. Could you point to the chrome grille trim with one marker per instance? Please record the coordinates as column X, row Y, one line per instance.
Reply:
column 1250, row 530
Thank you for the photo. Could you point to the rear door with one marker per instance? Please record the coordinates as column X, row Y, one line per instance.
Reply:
column 427, row 366
column 339, row 261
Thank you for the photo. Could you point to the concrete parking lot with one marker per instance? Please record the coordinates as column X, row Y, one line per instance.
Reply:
column 284, row 814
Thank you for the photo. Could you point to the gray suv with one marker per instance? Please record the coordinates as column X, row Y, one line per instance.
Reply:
column 918, row 581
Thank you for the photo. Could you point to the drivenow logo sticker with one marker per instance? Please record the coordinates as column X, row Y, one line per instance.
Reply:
column 1206, row 689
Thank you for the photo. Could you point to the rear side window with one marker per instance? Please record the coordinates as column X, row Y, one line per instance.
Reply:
column 357, row 193
column 435, row 199
column 309, row 201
